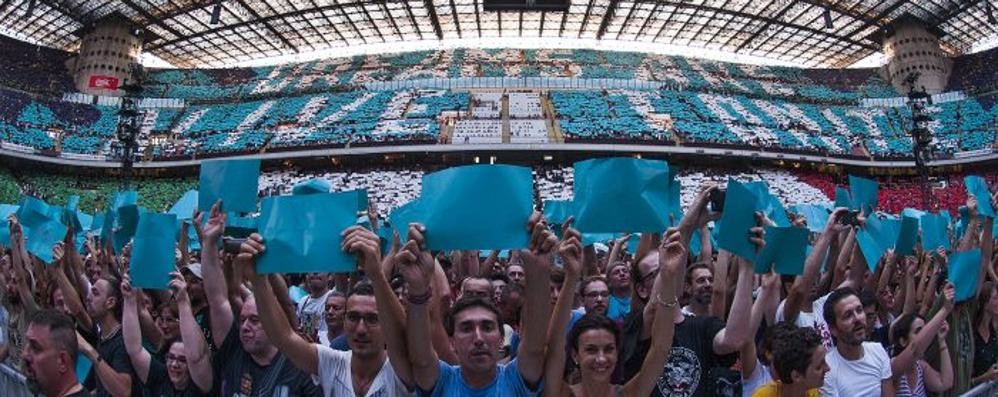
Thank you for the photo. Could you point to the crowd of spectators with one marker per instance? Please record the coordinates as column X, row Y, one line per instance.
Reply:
column 563, row 317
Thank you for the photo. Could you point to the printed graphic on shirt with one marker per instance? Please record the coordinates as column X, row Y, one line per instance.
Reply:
column 681, row 375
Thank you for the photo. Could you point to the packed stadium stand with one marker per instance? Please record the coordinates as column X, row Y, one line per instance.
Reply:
column 336, row 102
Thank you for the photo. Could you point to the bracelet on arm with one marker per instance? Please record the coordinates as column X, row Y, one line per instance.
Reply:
column 420, row 299
column 667, row 304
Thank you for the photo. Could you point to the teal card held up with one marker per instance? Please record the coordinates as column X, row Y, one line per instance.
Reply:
column 864, row 193
column 964, row 270
column 311, row 186
column 978, row 187
column 153, row 250
column 622, row 195
column 737, row 220
column 786, row 247
column 185, row 206
column 477, row 207
column 302, row 233
column 235, row 182
column 934, row 232
column 42, row 237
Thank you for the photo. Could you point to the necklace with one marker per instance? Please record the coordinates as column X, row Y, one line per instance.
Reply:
column 105, row 337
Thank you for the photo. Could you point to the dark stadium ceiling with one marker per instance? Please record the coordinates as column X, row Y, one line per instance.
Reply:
column 788, row 30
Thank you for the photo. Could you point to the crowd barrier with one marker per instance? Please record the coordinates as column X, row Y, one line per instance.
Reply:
column 982, row 390
column 12, row 383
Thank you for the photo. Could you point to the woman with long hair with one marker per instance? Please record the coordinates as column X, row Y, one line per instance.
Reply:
column 986, row 335
column 595, row 339
column 910, row 336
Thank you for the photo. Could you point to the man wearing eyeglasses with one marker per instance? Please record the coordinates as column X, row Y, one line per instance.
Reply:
column 364, row 370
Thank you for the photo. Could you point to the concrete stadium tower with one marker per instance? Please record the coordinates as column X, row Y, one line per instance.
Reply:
column 107, row 50
column 913, row 49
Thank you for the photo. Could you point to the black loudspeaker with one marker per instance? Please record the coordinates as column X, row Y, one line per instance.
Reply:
column 526, row 5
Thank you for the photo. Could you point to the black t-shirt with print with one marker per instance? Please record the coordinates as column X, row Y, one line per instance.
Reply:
column 112, row 351
column 692, row 369
column 241, row 376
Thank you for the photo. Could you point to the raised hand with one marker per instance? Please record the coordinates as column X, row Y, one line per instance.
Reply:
column 58, row 252
column 415, row 262
column 542, row 243
column 179, row 287
column 700, row 214
column 949, row 297
column 127, row 292
column 671, row 254
column 757, row 235
column 943, row 330
column 213, row 229
column 570, row 248
column 365, row 244
column 248, row 252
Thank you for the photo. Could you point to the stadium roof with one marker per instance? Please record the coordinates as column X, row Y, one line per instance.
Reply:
column 182, row 33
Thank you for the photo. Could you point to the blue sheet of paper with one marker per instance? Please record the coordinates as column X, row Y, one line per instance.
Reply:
column 907, row 236
column 917, row 214
column 33, row 211
column 964, row 270
column 934, row 232
column 311, row 186
column 557, row 211
column 622, row 195
column 240, row 226
column 153, row 250
column 842, row 198
column 786, row 247
column 864, row 193
column 42, row 237
column 477, row 207
column 235, row 182
column 5, row 211
column 816, row 216
column 126, row 221
column 737, row 220
column 185, row 206
column 870, row 248
column 675, row 211
column 83, row 365
column 302, row 233
column 978, row 187
column 400, row 219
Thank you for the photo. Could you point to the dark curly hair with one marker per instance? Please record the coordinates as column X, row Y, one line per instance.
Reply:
column 792, row 352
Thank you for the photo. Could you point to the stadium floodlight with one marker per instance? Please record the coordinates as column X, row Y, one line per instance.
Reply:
column 828, row 19
column 216, row 13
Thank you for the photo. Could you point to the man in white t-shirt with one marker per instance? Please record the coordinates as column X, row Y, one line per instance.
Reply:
column 369, row 323
column 311, row 308
column 858, row 368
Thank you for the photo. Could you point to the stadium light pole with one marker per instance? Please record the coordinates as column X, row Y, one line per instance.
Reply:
column 921, row 136
column 129, row 122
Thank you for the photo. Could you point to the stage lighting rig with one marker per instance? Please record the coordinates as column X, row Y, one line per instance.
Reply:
column 129, row 123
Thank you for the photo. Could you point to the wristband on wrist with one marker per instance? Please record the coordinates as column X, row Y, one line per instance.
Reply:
column 667, row 304
column 420, row 299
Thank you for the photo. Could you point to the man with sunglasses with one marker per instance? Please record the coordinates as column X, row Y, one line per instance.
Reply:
column 364, row 370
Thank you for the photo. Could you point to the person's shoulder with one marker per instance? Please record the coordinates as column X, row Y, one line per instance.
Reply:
column 876, row 351
column 332, row 355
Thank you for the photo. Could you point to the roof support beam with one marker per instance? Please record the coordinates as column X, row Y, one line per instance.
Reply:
column 478, row 19
column 726, row 23
column 269, row 27
column 391, row 18
column 285, row 23
column 343, row 14
column 431, row 10
column 651, row 15
column 607, row 16
column 457, row 24
column 585, row 18
column 412, row 19
column 330, row 22
column 370, row 20
column 627, row 20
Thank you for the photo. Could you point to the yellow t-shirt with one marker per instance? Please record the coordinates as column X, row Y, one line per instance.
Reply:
column 772, row 389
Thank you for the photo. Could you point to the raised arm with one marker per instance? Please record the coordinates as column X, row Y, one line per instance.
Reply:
column 215, row 287
column 303, row 354
column 195, row 348
column 942, row 380
column 812, row 267
column 117, row 384
column 537, row 262
column 769, row 295
column 706, row 249
column 391, row 314
column 417, row 266
column 736, row 330
column 570, row 251
column 132, row 333
column 697, row 215
column 18, row 258
column 69, row 293
column 672, row 264
column 846, row 253
column 719, row 294
column 902, row 363
column 987, row 250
